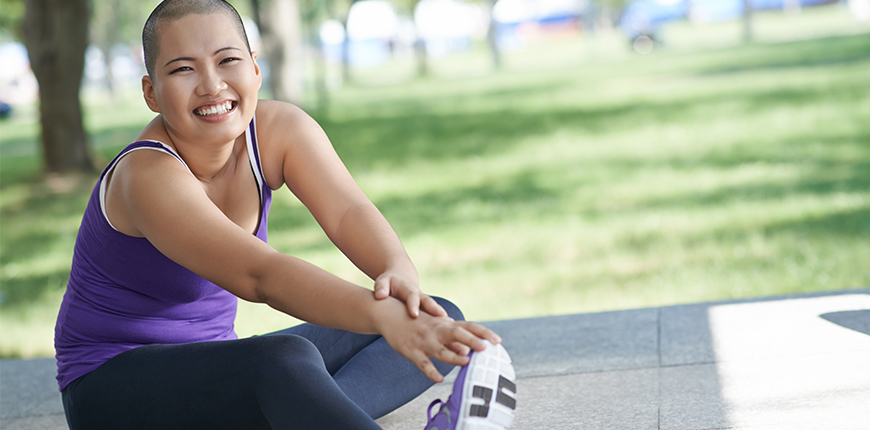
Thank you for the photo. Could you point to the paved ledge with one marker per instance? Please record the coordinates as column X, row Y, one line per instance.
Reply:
column 793, row 362
column 796, row 362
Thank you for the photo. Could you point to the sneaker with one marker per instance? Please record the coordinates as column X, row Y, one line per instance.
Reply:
column 484, row 394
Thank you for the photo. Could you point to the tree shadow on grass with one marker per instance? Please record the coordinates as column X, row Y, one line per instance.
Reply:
column 399, row 140
column 30, row 289
column 832, row 51
column 41, row 222
column 403, row 138
column 494, row 201
column 824, row 176
column 450, row 96
column 30, row 223
column 851, row 223
column 479, row 204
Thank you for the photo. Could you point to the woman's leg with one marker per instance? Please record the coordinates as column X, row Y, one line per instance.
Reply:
column 367, row 369
column 269, row 382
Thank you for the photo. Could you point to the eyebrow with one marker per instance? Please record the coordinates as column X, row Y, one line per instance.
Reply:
column 227, row 48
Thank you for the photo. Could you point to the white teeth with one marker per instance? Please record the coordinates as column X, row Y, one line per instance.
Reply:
column 215, row 110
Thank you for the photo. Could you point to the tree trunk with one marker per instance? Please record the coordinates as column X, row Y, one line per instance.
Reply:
column 346, row 73
column 420, row 46
column 111, row 37
column 422, row 57
column 319, row 71
column 281, row 35
column 56, row 35
column 492, row 37
column 106, row 48
column 747, row 21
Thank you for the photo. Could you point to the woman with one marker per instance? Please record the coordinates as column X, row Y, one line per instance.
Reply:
column 175, row 231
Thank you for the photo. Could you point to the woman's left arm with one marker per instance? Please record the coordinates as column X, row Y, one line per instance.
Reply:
column 298, row 153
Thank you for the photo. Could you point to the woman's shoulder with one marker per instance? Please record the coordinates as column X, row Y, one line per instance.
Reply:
column 278, row 109
column 285, row 134
column 282, row 126
column 273, row 115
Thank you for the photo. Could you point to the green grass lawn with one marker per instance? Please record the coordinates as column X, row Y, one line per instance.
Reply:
column 580, row 178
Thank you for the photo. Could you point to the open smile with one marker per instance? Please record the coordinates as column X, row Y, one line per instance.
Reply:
column 216, row 109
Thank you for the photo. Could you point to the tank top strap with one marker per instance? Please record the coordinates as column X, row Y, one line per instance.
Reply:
column 135, row 146
column 141, row 144
column 254, row 157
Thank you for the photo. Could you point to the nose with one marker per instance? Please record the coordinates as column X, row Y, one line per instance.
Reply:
column 211, row 82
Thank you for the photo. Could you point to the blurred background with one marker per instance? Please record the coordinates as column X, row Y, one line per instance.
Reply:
column 537, row 157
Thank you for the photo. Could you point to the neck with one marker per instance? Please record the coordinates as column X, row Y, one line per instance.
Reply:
column 211, row 160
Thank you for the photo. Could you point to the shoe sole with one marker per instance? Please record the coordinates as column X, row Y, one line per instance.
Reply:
column 489, row 392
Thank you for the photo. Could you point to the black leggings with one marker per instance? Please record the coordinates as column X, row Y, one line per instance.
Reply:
column 304, row 377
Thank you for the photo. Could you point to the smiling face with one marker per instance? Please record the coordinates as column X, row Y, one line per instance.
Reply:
column 205, row 81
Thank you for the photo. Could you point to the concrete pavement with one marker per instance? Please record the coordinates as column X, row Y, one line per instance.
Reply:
column 800, row 362
column 796, row 362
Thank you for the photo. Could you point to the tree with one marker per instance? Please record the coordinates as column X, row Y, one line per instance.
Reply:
column 340, row 10
column 492, row 36
column 747, row 21
column 313, row 14
column 116, row 22
column 56, row 36
column 410, row 7
column 11, row 13
column 280, row 28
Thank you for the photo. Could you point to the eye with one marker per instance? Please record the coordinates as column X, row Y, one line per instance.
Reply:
column 181, row 69
column 229, row 60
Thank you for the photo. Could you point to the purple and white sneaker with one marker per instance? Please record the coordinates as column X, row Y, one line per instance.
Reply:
column 484, row 394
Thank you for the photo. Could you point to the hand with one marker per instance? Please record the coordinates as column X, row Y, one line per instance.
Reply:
column 393, row 284
column 441, row 338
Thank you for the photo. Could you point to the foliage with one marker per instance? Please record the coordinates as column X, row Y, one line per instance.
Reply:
column 118, row 21
column 11, row 15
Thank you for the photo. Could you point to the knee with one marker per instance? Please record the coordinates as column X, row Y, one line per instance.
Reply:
column 285, row 352
column 452, row 310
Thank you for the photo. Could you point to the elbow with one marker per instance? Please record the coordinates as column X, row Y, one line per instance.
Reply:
column 256, row 283
column 250, row 289
column 256, row 292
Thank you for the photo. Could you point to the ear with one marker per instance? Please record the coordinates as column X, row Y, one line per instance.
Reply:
column 257, row 70
column 149, row 94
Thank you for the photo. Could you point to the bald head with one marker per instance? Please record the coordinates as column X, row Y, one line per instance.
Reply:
column 170, row 10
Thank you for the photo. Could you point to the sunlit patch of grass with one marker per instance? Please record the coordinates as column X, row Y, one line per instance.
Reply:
column 28, row 331
column 255, row 319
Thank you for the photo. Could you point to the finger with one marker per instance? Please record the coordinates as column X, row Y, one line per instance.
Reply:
column 431, row 306
column 413, row 302
column 472, row 335
column 428, row 369
column 382, row 288
column 448, row 356
column 481, row 332
column 459, row 348
column 457, row 333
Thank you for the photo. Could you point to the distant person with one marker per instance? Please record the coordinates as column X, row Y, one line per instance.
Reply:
column 175, row 231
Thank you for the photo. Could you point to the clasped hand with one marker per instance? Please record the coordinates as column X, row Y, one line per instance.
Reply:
column 402, row 287
column 430, row 334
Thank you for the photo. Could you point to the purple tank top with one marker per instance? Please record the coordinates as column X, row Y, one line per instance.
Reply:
column 123, row 293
